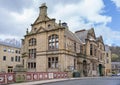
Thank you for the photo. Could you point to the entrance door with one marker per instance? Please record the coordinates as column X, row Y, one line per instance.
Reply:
column 84, row 67
column 100, row 70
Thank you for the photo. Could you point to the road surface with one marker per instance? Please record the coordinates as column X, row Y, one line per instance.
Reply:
column 88, row 81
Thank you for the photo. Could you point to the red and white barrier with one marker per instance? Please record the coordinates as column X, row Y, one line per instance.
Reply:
column 32, row 76
column 10, row 78
column 2, row 79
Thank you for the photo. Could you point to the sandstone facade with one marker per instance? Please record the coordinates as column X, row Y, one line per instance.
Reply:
column 50, row 46
column 9, row 57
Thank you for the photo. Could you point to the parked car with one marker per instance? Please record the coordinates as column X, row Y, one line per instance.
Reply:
column 118, row 74
column 114, row 75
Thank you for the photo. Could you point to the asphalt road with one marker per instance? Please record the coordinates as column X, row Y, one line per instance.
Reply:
column 89, row 81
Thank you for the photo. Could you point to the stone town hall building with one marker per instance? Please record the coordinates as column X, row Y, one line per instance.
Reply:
column 51, row 47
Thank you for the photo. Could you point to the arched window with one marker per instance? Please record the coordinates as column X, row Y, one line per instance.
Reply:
column 32, row 42
column 53, row 42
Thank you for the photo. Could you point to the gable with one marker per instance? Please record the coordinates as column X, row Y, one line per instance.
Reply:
column 41, row 19
column 91, row 33
column 36, row 21
column 101, row 39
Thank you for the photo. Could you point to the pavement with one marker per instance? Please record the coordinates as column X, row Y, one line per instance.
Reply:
column 56, row 80
column 40, row 82
column 46, row 81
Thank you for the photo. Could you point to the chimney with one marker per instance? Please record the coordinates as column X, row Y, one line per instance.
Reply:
column 64, row 24
column 43, row 9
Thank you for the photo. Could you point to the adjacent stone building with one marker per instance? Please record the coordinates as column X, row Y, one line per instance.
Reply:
column 92, row 53
column 51, row 47
column 108, row 55
column 9, row 57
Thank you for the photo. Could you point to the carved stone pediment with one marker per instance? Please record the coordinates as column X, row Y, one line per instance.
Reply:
column 41, row 29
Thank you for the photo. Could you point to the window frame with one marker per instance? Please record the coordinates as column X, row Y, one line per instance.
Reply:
column 75, row 46
column 32, row 42
column 53, row 62
column 4, row 58
column 91, row 49
column 5, row 49
column 32, row 53
column 19, row 59
column 53, row 42
column 12, row 59
column 31, row 65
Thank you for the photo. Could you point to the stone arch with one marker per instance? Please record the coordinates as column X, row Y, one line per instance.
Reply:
column 84, row 67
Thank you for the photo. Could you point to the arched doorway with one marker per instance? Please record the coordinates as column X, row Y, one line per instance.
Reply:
column 84, row 67
column 100, row 70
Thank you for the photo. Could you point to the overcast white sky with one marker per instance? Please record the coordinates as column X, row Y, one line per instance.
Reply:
column 17, row 15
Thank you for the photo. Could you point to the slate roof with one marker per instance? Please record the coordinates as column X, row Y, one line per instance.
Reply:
column 72, row 36
column 11, row 45
column 82, row 35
